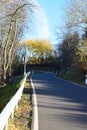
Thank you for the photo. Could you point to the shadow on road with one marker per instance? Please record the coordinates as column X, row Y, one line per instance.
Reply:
column 69, row 99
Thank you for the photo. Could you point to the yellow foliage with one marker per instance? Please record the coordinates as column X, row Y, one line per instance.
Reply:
column 39, row 47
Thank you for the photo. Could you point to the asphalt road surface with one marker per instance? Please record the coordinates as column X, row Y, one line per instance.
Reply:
column 61, row 105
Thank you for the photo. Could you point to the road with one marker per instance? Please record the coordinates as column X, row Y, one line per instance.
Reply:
column 61, row 105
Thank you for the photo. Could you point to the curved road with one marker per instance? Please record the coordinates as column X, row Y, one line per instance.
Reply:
column 61, row 105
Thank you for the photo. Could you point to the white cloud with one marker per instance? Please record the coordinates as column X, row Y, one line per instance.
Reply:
column 41, row 21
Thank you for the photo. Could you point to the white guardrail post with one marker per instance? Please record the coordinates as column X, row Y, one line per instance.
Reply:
column 86, row 79
column 10, row 107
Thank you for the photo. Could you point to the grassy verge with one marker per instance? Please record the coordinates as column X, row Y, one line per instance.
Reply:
column 23, row 115
column 7, row 92
column 74, row 75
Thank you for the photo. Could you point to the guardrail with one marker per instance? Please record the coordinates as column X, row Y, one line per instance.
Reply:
column 10, row 107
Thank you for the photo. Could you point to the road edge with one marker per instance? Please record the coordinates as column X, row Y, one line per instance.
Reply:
column 35, row 108
column 69, row 81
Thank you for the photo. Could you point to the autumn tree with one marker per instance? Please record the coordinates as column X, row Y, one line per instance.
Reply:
column 75, row 21
column 40, row 49
column 82, row 52
column 76, row 17
column 76, row 14
column 12, row 20
column 68, row 49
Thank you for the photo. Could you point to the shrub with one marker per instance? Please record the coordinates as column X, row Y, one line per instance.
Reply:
column 74, row 74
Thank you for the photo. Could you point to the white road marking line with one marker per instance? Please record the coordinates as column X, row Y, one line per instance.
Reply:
column 35, row 109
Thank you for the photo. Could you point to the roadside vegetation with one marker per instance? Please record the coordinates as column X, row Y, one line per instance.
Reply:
column 23, row 115
column 72, row 74
column 72, row 42
column 7, row 92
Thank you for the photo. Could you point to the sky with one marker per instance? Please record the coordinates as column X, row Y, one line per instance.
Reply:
column 47, row 18
column 54, row 12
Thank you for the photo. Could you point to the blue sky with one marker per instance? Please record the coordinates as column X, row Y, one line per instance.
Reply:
column 48, row 18
column 54, row 12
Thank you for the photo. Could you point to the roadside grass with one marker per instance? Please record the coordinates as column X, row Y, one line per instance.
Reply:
column 73, row 75
column 6, row 93
column 23, row 115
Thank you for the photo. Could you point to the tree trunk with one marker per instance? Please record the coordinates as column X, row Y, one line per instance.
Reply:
column 5, row 75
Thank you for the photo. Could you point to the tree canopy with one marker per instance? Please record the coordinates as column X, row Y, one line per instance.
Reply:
column 73, row 43
column 38, row 50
